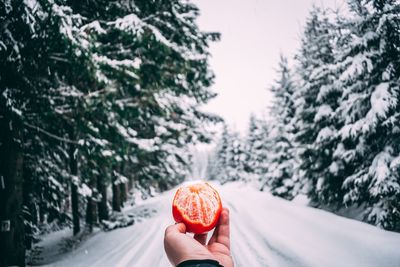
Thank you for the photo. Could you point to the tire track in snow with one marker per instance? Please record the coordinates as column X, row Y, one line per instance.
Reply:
column 262, row 248
column 116, row 251
column 135, row 248
column 149, row 250
column 243, row 252
column 259, row 247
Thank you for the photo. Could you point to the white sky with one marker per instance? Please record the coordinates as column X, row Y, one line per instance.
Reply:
column 254, row 34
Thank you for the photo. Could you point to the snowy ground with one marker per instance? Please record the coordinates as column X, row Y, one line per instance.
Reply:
column 266, row 231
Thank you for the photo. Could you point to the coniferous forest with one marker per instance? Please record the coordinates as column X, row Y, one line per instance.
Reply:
column 100, row 99
column 334, row 126
column 95, row 95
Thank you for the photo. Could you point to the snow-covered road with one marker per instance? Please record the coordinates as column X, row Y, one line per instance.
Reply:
column 266, row 231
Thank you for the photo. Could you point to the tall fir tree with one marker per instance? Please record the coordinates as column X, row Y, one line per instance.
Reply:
column 370, row 110
column 95, row 94
column 281, row 177
column 257, row 150
column 316, row 100
column 227, row 163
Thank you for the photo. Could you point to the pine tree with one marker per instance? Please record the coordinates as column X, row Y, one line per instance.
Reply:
column 219, row 160
column 93, row 94
column 257, row 149
column 236, row 157
column 281, row 176
column 226, row 165
column 316, row 101
column 369, row 111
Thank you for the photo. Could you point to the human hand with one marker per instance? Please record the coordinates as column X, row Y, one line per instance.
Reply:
column 181, row 247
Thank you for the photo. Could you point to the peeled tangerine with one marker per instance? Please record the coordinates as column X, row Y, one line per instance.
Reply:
column 198, row 206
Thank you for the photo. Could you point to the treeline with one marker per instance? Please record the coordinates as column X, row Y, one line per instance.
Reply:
column 334, row 131
column 94, row 94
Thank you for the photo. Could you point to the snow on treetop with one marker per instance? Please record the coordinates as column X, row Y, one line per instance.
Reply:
column 137, row 25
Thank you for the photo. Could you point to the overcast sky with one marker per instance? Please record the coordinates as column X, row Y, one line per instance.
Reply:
column 254, row 34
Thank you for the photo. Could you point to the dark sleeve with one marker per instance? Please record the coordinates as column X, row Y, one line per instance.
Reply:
column 199, row 263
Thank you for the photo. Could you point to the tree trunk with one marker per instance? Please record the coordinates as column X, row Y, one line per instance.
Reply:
column 116, row 200
column 130, row 183
column 123, row 194
column 12, row 249
column 91, row 208
column 90, row 213
column 73, row 163
column 122, row 186
column 29, row 214
column 102, row 205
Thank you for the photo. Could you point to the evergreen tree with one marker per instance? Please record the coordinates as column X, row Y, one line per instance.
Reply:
column 227, row 162
column 219, row 160
column 281, row 176
column 257, row 149
column 95, row 94
column 369, row 111
column 236, row 157
column 316, row 101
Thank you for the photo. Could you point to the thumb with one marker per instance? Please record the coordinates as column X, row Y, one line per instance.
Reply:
column 176, row 228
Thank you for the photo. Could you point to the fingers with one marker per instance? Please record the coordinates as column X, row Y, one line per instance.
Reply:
column 176, row 228
column 222, row 232
column 201, row 238
column 224, row 229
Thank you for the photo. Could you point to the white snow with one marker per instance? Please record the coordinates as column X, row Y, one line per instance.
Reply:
column 395, row 162
column 119, row 64
column 146, row 144
column 85, row 190
column 323, row 112
column 301, row 200
column 382, row 100
column 325, row 134
column 95, row 25
column 334, row 168
column 107, row 153
column 379, row 168
column 356, row 65
column 265, row 231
